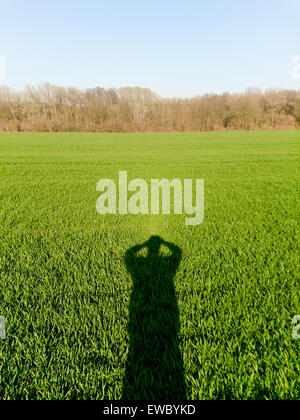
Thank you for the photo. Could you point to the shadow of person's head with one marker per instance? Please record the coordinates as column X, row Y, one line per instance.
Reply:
column 150, row 252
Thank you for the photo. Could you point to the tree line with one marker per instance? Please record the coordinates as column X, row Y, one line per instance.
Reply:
column 53, row 108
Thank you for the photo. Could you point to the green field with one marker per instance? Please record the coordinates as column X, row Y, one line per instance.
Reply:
column 82, row 322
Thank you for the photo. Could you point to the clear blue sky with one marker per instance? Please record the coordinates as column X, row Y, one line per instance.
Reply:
column 176, row 48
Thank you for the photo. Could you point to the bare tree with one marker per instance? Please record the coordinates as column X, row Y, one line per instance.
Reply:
column 53, row 108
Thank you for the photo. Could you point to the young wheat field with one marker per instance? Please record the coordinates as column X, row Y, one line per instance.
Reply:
column 83, row 321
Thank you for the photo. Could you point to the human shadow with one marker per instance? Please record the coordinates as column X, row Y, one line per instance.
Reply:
column 154, row 367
